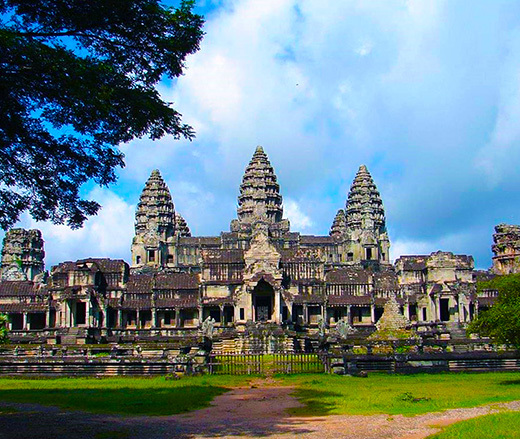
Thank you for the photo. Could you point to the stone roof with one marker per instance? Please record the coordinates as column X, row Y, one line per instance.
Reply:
column 295, row 255
column 364, row 203
column 146, row 283
column 349, row 300
column 18, row 288
column 339, row 225
column 345, row 276
column 105, row 265
column 224, row 256
column 23, row 307
column 155, row 211
column 412, row 263
column 317, row 240
column 385, row 280
column 176, row 281
column 200, row 240
column 259, row 190
column 139, row 283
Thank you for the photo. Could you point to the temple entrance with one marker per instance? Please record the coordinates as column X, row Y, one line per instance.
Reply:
column 263, row 302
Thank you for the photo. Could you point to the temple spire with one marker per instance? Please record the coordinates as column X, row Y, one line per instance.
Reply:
column 181, row 226
column 364, row 208
column 155, row 212
column 339, row 225
column 259, row 190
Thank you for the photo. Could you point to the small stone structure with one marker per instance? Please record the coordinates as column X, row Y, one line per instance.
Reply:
column 506, row 249
column 392, row 325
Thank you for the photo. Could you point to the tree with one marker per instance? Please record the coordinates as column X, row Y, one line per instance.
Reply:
column 3, row 328
column 501, row 322
column 77, row 79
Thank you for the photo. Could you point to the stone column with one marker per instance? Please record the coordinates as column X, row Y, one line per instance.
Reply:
column 90, row 314
column 25, row 321
column 277, row 310
column 407, row 310
column 349, row 314
column 48, row 316
column 373, row 313
column 305, row 314
column 138, row 319
column 201, row 314
column 105, row 316
column 177, row 317
column 120, row 318
column 438, row 309
column 222, row 322
column 154, row 318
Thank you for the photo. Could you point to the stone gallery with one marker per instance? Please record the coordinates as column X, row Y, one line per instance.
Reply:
column 260, row 271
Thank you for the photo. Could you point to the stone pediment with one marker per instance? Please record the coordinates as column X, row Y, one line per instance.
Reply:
column 262, row 261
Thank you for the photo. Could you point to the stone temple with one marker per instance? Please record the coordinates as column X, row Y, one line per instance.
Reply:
column 259, row 271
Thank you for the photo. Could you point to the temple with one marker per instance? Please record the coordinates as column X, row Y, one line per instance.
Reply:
column 260, row 271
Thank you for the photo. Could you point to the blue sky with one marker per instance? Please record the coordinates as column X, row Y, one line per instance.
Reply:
column 425, row 93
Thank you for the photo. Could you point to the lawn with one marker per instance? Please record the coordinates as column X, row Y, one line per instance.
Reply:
column 496, row 426
column 321, row 394
column 123, row 395
column 401, row 394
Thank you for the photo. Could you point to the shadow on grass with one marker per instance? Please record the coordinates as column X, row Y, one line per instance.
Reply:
column 121, row 401
column 46, row 421
column 510, row 383
column 316, row 402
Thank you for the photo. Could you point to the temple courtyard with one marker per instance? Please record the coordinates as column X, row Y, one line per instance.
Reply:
column 306, row 406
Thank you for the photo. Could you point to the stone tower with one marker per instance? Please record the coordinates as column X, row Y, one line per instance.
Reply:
column 181, row 226
column 506, row 249
column 22, row 255
column 365, row 220
column 259, row 198
column 153, row 243
column 339, row 225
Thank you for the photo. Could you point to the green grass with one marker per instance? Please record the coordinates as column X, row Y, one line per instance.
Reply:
column 321, row 394
column 498, row 426
column 126, row 396
column 400, row 394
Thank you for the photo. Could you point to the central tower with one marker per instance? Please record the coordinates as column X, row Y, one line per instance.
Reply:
column 259, row 199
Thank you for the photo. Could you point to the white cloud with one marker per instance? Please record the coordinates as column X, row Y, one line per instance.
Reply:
column 426, row 93
column 109, row 234
column 298, row 219
column 364, row 49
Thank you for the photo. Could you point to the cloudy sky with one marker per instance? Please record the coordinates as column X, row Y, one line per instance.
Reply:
column 425, row 93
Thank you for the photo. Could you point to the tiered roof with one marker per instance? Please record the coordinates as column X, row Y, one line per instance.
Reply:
column 364, row 203
column 155, row 211
column 259, row 190
column 181, row 226
column 339, row 225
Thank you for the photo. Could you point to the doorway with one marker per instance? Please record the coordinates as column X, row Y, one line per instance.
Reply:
column 445, row 310
column 263, row 301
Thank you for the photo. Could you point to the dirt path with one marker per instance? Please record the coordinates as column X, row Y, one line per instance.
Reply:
column 248, row 412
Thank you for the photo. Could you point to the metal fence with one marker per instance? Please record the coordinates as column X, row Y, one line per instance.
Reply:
column 246, row 364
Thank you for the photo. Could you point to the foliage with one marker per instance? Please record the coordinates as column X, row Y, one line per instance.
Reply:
column 498, row 426
column 383, row 393
column 126, row 396
column 77, row 78
column 502, row 321
column 4, row 320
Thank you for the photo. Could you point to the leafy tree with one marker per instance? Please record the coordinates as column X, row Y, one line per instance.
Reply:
column 77, row 78
column 3, row 328
column 502, row 321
